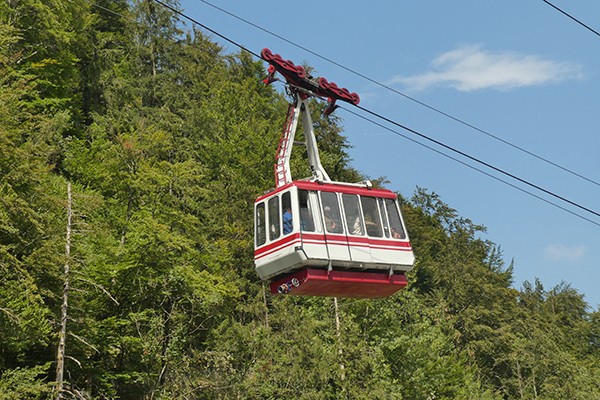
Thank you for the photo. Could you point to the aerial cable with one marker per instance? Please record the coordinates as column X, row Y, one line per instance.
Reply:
column 104, row 8
column 568, row 15
column 176, row 11
column 466, row 164
column 418, row 133
column 503, row 172
column 548, row 192
column 391, row 89
column 181, row 14
column 463, row 154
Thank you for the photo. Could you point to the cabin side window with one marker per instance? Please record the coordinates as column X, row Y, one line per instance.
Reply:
column 261, row 232
column 372, row 219
column 274, row 224
column 397, row 230
column 331, row 213
column 287, row 221
column 354, row 220
column 307, row 221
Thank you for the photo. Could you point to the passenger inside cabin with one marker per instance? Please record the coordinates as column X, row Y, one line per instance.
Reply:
column 394, row 218
column 372, row 220
column 329, row 222
column 352, row 211
column 357, row 227
column 332, row 223
column 288, row 224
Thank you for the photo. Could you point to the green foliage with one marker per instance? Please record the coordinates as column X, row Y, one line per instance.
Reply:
column 25, row 383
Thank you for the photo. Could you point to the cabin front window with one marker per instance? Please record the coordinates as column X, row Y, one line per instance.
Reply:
column 397, row 230
column 372, row 219
column 354, row 220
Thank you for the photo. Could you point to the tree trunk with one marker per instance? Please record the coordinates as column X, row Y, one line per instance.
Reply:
column 264, row 292
column 60, row 356
column 339, row 339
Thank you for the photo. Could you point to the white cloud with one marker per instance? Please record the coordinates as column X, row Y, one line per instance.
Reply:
column 471, row 68
column 561, row 252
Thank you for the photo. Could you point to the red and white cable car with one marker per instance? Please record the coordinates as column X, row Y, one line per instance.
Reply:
column 316, row 237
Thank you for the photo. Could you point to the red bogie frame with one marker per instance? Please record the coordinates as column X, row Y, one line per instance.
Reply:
column 296, row 75
column 319, row 282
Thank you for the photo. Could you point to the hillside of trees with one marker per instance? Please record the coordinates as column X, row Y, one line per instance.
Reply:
column 131, row 152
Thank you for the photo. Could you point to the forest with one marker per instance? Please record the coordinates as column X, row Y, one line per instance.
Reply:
column 131, row 152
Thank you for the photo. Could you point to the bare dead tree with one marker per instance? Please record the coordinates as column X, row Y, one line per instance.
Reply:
column 60, row 356
column 264, row 292
column 339, row 339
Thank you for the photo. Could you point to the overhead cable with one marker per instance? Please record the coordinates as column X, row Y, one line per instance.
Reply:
column 499, row 170
column 472, row 158
column 572, row 17
column 398, row 92
column 388, row 120
column 181, row 14
column 370, row 120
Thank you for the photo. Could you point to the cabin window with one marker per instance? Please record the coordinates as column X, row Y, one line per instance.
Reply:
column 397, row 231
column 261, row 233
column 274, row 225
column 372, row 219
column 384, row 218
column 287, row 222
column 354, row 220
column 331, row 213
column 306, row 214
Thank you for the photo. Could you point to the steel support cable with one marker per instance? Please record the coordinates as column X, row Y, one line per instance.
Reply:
column 548, row 192
column 466, row 164
column 103, row 8
column 181, row 14
column 391, row 89
column 472, row 158
column 568, row 15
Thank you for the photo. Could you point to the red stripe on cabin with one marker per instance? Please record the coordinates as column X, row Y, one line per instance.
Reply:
column 337, row 187
column 277, row 245
column 339, row 240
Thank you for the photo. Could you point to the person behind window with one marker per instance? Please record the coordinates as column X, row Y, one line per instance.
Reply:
column 288, row 223
column 332, row 224
column 329, row 222
column 306, row 217
column 357, row 228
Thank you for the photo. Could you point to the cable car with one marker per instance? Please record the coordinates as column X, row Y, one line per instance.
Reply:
column 317, row 237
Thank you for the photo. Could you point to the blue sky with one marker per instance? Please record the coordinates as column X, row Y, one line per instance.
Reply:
column 518, row 70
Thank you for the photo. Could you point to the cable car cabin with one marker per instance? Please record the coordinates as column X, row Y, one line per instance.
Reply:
column 331, row 239
column 316, row 237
